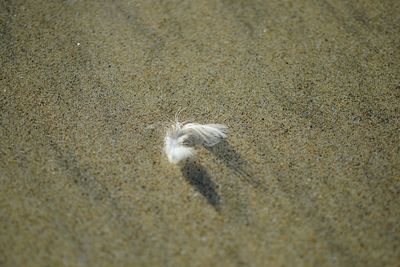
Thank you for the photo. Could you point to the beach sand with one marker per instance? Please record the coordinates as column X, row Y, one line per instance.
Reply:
column 310, row 173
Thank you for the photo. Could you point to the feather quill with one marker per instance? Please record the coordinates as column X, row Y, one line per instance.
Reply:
column 181, row 137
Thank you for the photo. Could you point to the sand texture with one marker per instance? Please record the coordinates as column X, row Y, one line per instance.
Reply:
column 310, row 173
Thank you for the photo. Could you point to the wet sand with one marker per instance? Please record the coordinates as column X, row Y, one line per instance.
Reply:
column 310, row 174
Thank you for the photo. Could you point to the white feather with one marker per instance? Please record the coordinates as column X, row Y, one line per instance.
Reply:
column 182, row 136
column 205, row 134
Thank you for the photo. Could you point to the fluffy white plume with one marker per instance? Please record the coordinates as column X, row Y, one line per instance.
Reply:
column 182, row 136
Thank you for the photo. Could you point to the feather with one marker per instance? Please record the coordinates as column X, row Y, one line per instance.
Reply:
column 182, row 136
column 205, row 134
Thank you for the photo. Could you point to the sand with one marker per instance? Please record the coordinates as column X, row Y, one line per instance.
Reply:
column 310, row 173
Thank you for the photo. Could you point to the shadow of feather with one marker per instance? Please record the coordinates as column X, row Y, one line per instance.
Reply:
column 225, row 153
column 199, row 177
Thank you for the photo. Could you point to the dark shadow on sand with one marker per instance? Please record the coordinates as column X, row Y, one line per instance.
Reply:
column 199, row 177
column 225, row 153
